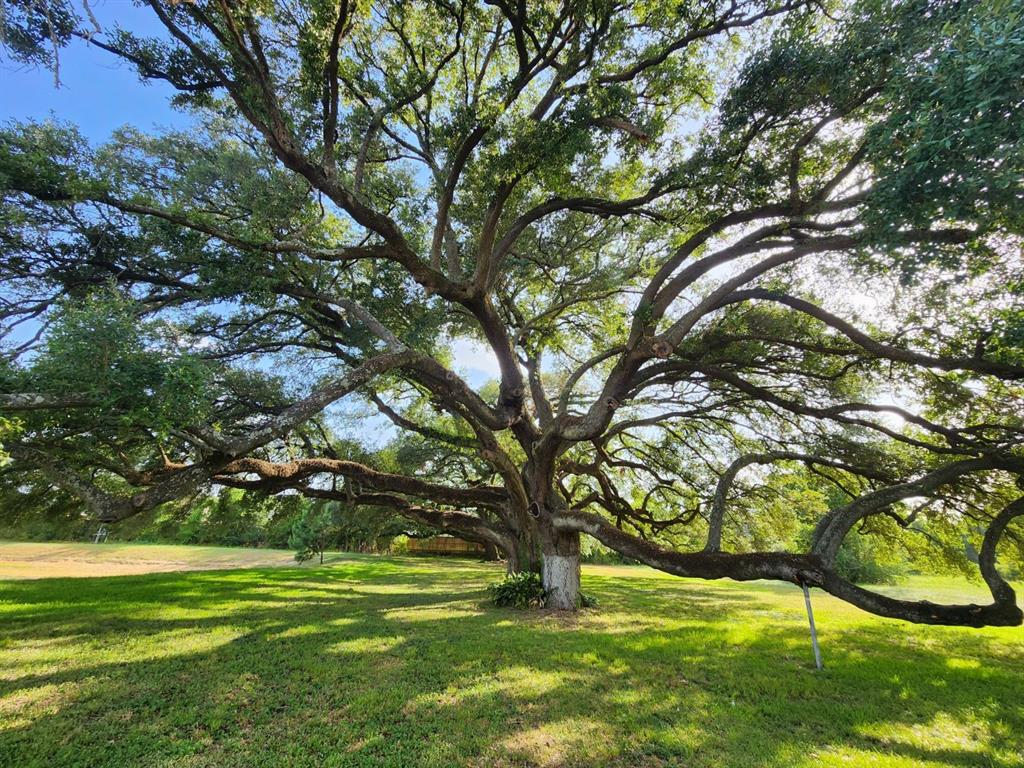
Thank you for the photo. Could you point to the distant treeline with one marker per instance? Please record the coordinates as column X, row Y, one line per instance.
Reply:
column 239, row 518
column 231, row 517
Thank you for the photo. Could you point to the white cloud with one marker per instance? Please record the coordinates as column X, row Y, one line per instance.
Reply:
column 475, row 358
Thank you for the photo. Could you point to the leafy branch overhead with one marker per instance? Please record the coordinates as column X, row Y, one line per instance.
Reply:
column 749, row 274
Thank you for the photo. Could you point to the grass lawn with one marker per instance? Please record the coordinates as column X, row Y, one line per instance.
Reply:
column 401, row 662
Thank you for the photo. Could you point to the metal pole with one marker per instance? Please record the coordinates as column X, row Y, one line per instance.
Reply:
column 814, row 632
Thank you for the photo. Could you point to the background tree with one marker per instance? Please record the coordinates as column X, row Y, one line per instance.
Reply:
column 664, row 220
column 312, row 532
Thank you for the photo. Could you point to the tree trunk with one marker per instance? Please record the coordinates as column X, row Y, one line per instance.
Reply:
column 561, row 570
column 527, row 555
column 520, row 556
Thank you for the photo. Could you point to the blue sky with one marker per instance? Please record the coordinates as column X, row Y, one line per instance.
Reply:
column 98, row 93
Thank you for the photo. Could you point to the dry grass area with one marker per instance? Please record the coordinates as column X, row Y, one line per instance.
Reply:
column 49, row 560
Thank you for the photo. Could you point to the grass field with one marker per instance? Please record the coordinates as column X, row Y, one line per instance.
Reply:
column 31, row 560
column 401, row 662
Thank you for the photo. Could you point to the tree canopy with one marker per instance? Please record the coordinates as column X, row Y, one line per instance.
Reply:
column 750, row 271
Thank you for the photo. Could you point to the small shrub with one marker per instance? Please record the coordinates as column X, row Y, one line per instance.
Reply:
column 588, row 601
column 518, row 590
column 310, row 534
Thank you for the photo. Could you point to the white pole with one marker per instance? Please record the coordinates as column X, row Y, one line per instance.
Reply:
column 814, row 632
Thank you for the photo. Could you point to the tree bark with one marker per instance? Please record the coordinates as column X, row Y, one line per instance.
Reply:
column 524, row 536
column 561, row 570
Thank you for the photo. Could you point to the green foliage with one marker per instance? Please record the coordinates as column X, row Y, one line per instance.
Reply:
column 318, row 525
column 34, row 31
column 311, row 533
column 518, row 590
column 861, row 563
column 36, row 511
column 366, row 529
column 949, row 147
column 231, row 518
column 593, row 551
column 49, row 160
column 99, row 349
column 33, row 510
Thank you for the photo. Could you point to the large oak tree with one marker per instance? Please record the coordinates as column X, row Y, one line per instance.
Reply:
column 705, row 242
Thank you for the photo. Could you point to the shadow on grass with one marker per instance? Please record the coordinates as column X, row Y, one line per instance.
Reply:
column 403, row 664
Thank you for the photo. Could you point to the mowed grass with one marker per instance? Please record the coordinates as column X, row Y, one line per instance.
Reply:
column 401, row 662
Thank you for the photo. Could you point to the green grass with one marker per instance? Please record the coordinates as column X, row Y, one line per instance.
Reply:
column 400, row 662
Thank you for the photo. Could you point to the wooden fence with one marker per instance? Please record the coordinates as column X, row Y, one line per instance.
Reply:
column 444, row 545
